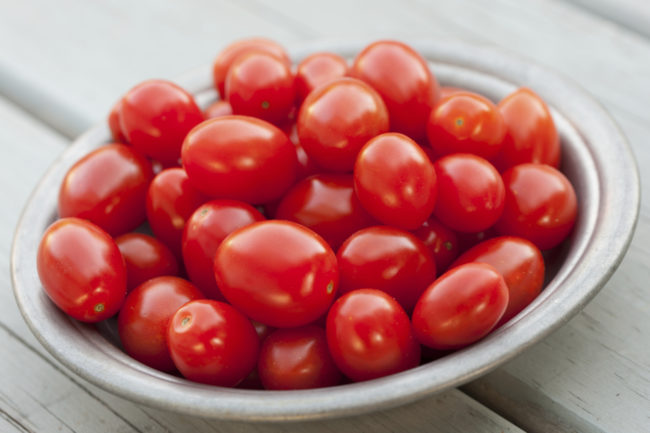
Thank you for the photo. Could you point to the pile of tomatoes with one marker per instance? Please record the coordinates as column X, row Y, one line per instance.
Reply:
column 320, row 223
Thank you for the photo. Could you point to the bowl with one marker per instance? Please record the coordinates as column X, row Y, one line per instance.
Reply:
column 596, row 158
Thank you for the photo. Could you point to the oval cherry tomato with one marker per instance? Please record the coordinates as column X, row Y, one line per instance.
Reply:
column 204, row 231
column 145, row 258
column 81, row 269
column 404, row 81
column 540, row 205
column 395, row 181
column 327, row 204
column 240, row 158
column 297, row 358
column 337, row 119
column 441, row 241
column 144, row 318
column 449, row 90
column 108, row 187
column 519, row 262
column 155, row 117
column 218, row 109
column 388, row 259
column 370, row 336
column 470, row 192
column 462, row 306
column 318, row 69
column 114, row 123
column 211, row 342
column 277, row 272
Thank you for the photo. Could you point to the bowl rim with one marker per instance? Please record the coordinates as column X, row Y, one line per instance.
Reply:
column 608, row 215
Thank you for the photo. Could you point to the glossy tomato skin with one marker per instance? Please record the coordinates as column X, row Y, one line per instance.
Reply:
column 81, row 269
column 171, row 200
column 470, row 192
column 297, row 358
column 337, row 119
column 531, row 133
column 277, row 272
column 540, row 205
column 108, row 186
column 466, row 122
column 328, row 205
column 370, row 336
column 144, row 318
column 395, row 181
column 240, row 158
column 204, row 231
column 145, row 258
column 404, row 81
column 218, row 109
column 441, row 241
column 155, row 117
column 462, row 306
column 388, row 259
column 211, row 342
column 520, row 263
column 318, row 69
column 114, row 123
column 229, row 54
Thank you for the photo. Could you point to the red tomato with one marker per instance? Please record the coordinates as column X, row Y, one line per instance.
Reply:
column 204, row 231
column 318, row 69
column 531, row 134
column 337, row 119
column 462, row 306
column 540, row 205
column 465, row 122
column 211, row 342
column 370, row 336
column 145, row 315
column 519, row 262
column 404, row 81
column 277, row 272
column 449, row 90
column 387, row 259
column 297, row 358
column 306, row 165
column 327, row 204
column 470, row 192
column 395, row 181
column 171, row 200
column 114, row 123
column 228, row 55
column 108, row 187
column 81, row 269
column 156, row 116
column 240, row 158
column 218, row 109
column 145, row 258
column 259, row 84
column 441, row 241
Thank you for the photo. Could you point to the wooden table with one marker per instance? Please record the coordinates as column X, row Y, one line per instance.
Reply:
column 63, row 64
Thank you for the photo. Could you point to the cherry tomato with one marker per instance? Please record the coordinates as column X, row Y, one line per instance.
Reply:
column 108, row 187
column 81, row 269
column 395, row 181
column 259, row 84
column 387, row 259
column 212, row 342
column 327, row 204
column 218, row 109
column 462, row 306
column 318, row 69
column 519, row 262
column 204, row 231
column 277, row 272
column 240, row 158
column 531, row 134
column 144, row 318
column 404, row 81
column 370, row 336
column 441, row 241
column 114, row 123
column 540, row 205
column 156, row 116
column 171, row 200
column 465, row 122
column 145, row 258
column 449, row 90
column 337, row 119
column 228, row 55
column 297, row 358
column 470, row 192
